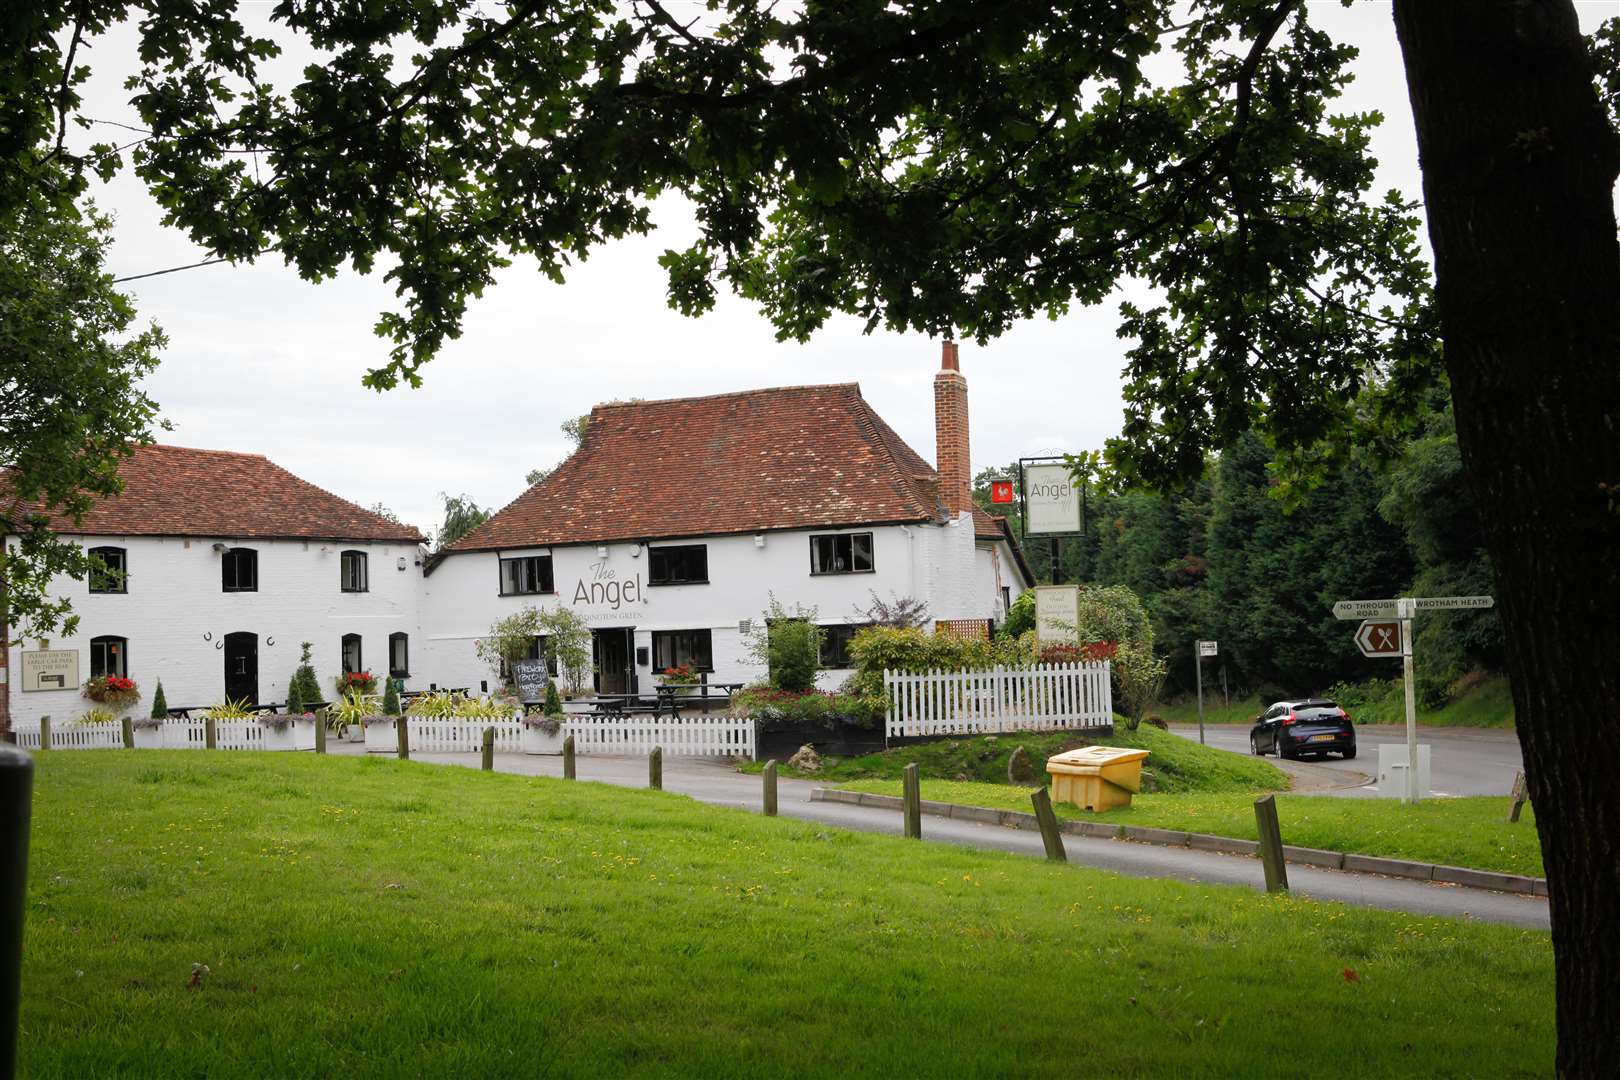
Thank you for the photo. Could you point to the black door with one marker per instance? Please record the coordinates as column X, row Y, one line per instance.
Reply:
column 614, row 673
column 242, row 666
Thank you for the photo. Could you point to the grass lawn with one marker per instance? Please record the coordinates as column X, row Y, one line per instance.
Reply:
column 369, row 917
column 1177, row 764
column 1486, row 704
column 1470, row 832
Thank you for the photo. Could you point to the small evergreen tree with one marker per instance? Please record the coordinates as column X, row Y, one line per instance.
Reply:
column 390, row 704
column 309, row 687
column 553, row 706
column 160, row 704
column 295, row 698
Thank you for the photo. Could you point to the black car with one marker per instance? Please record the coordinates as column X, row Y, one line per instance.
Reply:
column 1296, row 728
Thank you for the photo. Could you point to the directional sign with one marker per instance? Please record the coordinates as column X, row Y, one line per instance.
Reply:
column 1454, row 603
column 1379, row 638
column 1364, row 609
column 1208, row 648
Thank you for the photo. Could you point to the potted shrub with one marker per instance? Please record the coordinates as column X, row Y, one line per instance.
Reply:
column 303, row 721
column 348, row 714
column 278, row 731
column 543, row 731
column 112, row 691
column 382, row 737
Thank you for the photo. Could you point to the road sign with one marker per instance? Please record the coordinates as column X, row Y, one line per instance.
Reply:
column 1454, row 603
column 1208, row 648
column 1001, row 491
column 1364, row 609
column 1379, row 638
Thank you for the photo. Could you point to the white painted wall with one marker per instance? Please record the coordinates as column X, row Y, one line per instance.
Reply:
column 175, row 599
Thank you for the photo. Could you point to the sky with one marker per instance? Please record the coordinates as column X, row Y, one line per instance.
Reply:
column 263, row 362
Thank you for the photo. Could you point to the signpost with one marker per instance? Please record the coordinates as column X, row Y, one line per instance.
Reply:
column 1205, row 648
column 1386, row 631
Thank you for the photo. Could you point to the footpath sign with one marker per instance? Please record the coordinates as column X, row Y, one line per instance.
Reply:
column 1386, row 631
column 1204, row 648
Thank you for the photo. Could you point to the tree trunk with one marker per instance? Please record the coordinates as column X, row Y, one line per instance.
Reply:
column 1519, row 165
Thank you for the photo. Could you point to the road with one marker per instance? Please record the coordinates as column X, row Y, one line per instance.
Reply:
column 716, row 782
column 1463, row 761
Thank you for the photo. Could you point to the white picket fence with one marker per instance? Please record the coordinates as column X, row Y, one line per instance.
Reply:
column 1046, row 697
column 452, row 734
column 684, row 736
column 228, row 735
column 70, row 736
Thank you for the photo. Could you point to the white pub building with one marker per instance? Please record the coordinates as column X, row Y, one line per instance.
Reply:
column 669, row 531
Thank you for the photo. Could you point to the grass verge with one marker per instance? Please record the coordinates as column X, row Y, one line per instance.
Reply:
column 1472, row 832
column 382, row 918
column 1177, row 764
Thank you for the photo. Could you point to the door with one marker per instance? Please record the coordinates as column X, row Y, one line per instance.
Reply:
column 242, row 667
column 612, row 654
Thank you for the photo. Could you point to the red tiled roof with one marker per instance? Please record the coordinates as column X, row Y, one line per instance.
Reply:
column 178, row 491
column 784, row 458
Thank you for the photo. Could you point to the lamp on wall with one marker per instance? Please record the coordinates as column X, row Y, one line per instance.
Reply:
column 401, row 562
column 759, row 540
column 220, row 549
column 601, row 551
column 635, row 552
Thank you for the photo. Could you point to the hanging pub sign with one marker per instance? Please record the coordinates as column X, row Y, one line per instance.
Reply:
column 1051, row 499
column 1001, row 491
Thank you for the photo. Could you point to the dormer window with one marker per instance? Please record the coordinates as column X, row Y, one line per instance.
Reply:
column 109, row 570
column 352, row 571
column 239, row 569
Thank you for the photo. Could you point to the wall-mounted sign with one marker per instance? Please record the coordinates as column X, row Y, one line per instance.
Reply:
column 1051, row 500
column 50, row 669
column 1057, row 614
column 1001, row 491
column 604, row 587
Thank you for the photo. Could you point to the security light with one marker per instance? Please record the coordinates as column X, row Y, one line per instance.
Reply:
column 220, row 549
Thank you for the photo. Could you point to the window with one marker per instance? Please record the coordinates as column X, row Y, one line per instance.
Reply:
column 399, row 655
column 351, row 654
column 682, row 648
column 109, row 656
column 529, row 574
column 535, row 651
column 835, row 641
column 109, row 570
column 841, row 553
column 352, row 571
column 240, row 567
column 684, row 565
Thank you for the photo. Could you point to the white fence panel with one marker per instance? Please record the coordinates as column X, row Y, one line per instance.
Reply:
column 683, row 736
column 192, row 734
column 70, row 736
column 1046, row 697
column 453, row 734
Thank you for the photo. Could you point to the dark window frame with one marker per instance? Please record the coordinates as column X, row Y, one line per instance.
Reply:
column 363, row 560
column 547, row 577
column 661, row 554
column 106, row 578
column 399, row 671
column 98, row 647
column 830, row 632
column 661, row 636
column 359, row 653
column 851, row 537
column 230, row 569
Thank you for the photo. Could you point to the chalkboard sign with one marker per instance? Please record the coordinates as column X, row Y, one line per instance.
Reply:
column 531, row 679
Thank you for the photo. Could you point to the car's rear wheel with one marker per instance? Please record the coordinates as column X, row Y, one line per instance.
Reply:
column 1282, row 748
column 1350, row 754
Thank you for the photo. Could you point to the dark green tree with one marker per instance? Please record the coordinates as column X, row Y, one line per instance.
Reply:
column 461, row 516
column 390, row 701
column 160, row 704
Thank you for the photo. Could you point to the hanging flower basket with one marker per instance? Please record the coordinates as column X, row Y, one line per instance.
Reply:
column 112, row 690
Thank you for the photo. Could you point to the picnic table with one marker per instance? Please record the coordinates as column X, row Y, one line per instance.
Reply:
column 665, row 698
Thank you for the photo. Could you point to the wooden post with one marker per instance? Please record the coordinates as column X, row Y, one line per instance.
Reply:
column 1521, row 793
column 45, row 733
column 770, row 788
column 210, row 733
column 16, row 804
column 129, row 732
column 655, row 769
column 568, row 758
column 403, row 730
column 488, row 762
column 1051, row 835
column 1271, row 852
column 913, row 803
column 320, row 734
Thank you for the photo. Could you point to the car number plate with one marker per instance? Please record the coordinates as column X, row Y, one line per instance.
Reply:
column 1323, row 738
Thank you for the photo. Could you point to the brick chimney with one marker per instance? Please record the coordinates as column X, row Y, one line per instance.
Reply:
column 951, row 433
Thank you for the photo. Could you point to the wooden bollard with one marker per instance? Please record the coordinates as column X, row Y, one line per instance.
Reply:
column 568, row 758
column 770, row 788
column 488, row 762
column 210, row 733
column 913, row 803
column 1051, row 835
column 655, row 769
column 1521, row 792
column 45, row 733
column 403, row 730
column 320, row 734
column 16, row 807
column 1271, row 846
column 129, row 732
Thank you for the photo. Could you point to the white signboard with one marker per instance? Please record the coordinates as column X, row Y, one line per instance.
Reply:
column 1054, row 604
column 50, row 669
column 1051, row 500
column 1453, row 603
column 1208, row 648
column 1364, row 609
column 1389, row 609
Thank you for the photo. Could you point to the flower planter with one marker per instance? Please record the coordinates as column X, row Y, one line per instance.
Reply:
column 279, row 736
column 355, row 733
column 149, row 738
column 381, row 738
column 536, row 741
column 304, row 732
